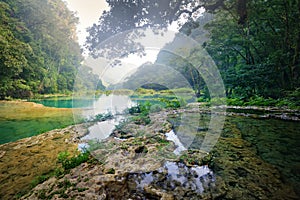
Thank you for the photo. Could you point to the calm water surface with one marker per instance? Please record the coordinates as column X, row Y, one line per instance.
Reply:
column 16, row 127
column 276, row 141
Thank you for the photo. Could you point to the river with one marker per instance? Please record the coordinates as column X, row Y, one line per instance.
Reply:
column 273, row 140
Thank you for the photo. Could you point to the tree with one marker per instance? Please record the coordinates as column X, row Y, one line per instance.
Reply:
column 13, row 57
column 127, row 15
column 254, row 43
column 40, row 51
column 258, row 56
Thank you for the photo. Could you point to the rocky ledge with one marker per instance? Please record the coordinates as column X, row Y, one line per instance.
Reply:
column 138, row 162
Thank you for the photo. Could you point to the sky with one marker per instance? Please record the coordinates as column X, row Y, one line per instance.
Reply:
column 88, row 12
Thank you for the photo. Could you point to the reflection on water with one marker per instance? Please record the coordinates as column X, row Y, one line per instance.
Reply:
column 275, row 141
column 113, row 104
column 63, row 102
column 173, row 175
column 190, row 127
column 171, row 136
column 102, row 130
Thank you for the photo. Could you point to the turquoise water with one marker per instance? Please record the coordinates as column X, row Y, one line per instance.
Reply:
column 22, row 127
column 275, row 141
column 65, row 103
column 82, row 103
column 12, row 130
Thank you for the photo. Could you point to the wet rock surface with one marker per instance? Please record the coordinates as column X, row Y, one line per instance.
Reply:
column 139, row 163
column 22, row 161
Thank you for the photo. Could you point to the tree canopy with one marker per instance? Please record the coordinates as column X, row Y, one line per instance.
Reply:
column 39, row 49
column 255, row 43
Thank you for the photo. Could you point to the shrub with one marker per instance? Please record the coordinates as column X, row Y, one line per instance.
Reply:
column 141, row 119
column 174, row 103
column 202, row 99
column 102, row 117
column 217, row 101
column 143, row 111
column 145, row 91
column 235, row 102
column 260, row 101
column 68, row 162
column 141, row 108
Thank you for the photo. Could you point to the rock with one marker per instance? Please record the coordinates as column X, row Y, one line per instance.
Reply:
column 144, row 167
column 155, row 193
column 2, row 153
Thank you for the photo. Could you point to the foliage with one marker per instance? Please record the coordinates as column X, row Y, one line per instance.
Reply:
column 127, row 15
column 103, row 117
column 39, row 49
column 256, row 101
column 260, row 101
column 259, row 57
column 234, row 102
column 68, row 162
column 141, row 113
column 40, row 179
column 141, row 119
column 173, row 103
column 145, row 91
column 140, row 108
column 255, row 44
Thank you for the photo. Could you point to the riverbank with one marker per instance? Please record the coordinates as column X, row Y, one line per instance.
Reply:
column 138, row 161
column 21, row 109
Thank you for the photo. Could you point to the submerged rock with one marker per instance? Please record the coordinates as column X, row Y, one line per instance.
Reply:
column 144, row 166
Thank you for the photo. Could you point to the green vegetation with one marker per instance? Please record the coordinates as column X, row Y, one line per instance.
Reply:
column 255, row 45
column 39, row 50
column 103, row 117
column 40, row 179
column 141, row 113
column 111, row 171
column 174, row 103
column 68, row 162
column 259, row 55
column 290, row 101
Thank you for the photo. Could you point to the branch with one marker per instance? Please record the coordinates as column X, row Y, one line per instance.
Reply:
column 189, row 12
column 215, row 6
column 209, row 7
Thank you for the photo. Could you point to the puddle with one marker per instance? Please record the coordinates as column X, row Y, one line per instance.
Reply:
column 171, row 136
column 175, row 176
column 82, row 147
column 102, row 130
column 99, row 131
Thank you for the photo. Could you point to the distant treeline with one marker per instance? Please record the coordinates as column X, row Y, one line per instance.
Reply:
column 39, row 49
